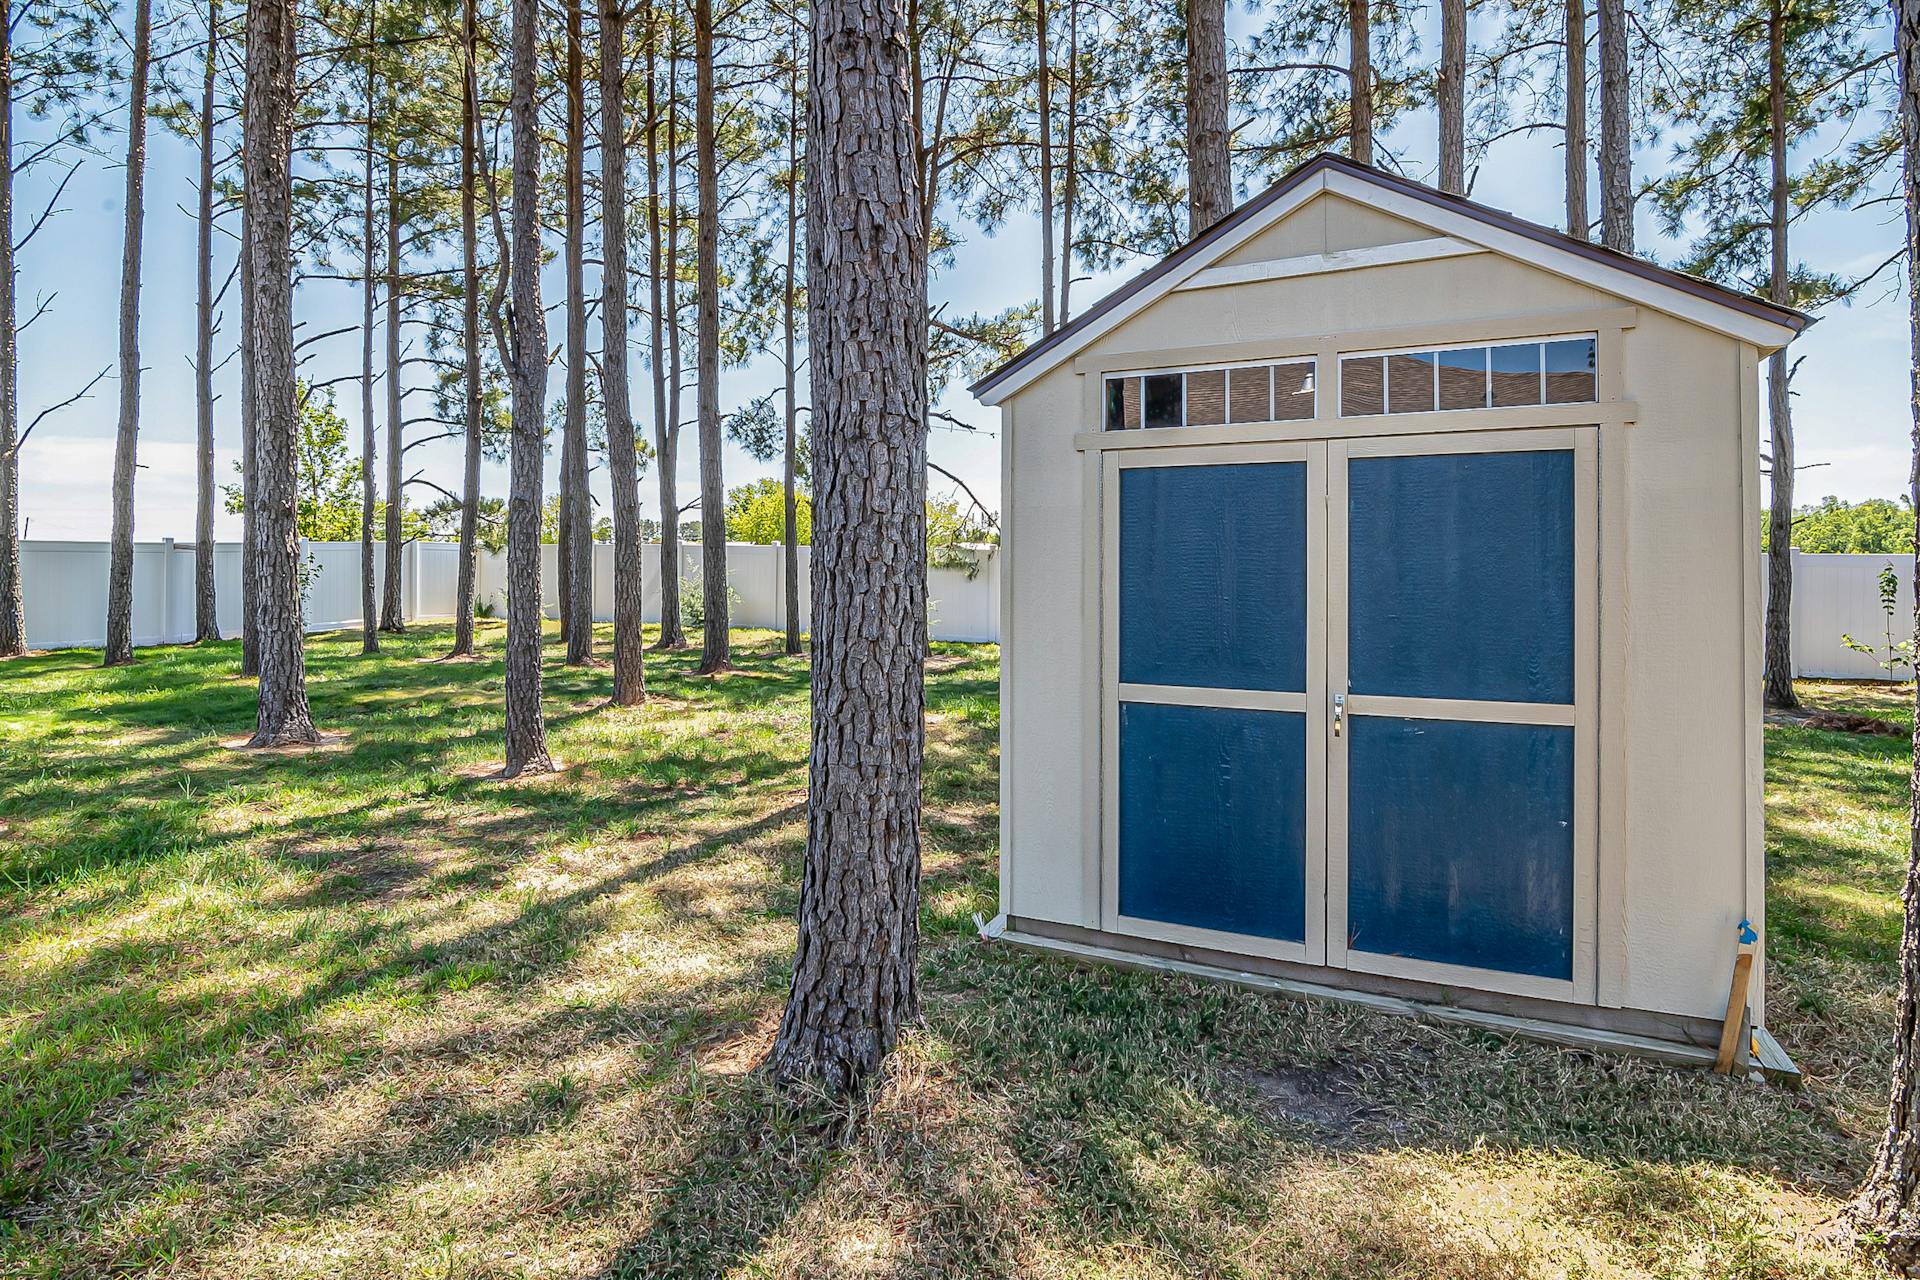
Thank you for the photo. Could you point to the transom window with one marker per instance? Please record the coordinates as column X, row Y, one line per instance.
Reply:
column 1211, row 397
column 1542, row 371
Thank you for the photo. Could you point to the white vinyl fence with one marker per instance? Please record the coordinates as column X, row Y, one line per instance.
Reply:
column 65, row 584
column 1839, row 595
column 66, row 592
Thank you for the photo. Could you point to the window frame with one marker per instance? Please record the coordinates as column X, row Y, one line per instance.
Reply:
column 1271, row 364
column 1489, row 346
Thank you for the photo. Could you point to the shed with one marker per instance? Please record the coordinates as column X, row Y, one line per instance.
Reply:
column 1381, row 619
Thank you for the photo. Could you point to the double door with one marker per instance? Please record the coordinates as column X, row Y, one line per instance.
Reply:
column 1347, row 704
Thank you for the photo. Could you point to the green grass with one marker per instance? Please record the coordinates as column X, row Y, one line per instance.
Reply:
column 364, row 1011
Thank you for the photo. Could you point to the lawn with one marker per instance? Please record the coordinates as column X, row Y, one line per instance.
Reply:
column 363, row 1011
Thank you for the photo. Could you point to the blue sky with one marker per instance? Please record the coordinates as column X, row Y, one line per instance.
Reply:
column 1850, row 404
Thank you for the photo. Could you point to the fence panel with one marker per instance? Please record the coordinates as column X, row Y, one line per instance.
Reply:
column 1839, row 595
column 66, row 588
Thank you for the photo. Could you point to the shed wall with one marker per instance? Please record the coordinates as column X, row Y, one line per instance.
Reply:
column 1678, row 498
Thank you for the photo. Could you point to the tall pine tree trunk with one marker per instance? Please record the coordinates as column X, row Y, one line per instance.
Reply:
column 790, row 457
column 715, row 653
column 526, row 723
column 629, row 560
column 576, row 531
column 1451, row 92
column 126, row 439
column 1043, row 100
column 206, row 621
column 369, row 448
column 1576, row 39
column 392, row 615
column 283, row 717
column 1359, row 81
column 1886, row 1210
column 13, row 612
column 1616, row 130
column 1778, row 664
column 1209, row 167
column 464, row 592
column 249, row 432
column 1070, row 180
column 665, row 362
column 855, row 982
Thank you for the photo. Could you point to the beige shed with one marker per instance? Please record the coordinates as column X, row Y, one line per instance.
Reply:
column 1380, row 620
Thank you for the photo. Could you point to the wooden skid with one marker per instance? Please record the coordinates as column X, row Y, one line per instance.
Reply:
column 1772, row 1060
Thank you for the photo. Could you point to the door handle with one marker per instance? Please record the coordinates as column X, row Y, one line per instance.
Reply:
column 1339, row 712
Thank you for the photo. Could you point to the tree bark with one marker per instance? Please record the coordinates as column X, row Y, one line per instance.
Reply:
column 1451, row 92
column 526, row 723
column 393, row 616
column 1070, row 180
column 1209, row 165
column 576, row 525
column 1359, row 81
column 119, row 648
column 249, row 434
column 283, row 716
column 665, row 359
column 206, row 621
column 1779, row 624
column 1043, row 99
column 790, row 460
column 715, row 651
column 369, row 449
column 1886, row 1210
column 1578, row 219
column 629, row 561
column 13, row 612
column 855, row 982
column 1616, row 130
column 464, row 592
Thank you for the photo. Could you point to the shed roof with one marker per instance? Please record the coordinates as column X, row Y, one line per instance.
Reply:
column 1713, row 306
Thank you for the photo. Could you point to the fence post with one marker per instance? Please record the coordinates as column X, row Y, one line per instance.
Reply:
column 413, row 581
column 166, row 591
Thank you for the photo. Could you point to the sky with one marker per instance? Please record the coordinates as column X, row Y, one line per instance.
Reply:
column 1851, row 397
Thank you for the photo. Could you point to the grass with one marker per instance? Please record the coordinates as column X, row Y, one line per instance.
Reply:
column 364, row 1012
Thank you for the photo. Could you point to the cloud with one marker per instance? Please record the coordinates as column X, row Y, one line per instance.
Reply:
column 66, row 489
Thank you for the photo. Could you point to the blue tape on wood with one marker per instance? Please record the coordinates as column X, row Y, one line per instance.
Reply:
column 1213, row 576
column 1213, row 818
column 1460, row 843
column 1460, row 576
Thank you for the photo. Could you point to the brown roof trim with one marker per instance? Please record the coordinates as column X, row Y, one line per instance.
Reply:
column 1720, row 294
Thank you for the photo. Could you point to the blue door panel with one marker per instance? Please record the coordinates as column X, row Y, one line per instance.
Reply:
column 1213, row 576
column 1460, row 576
column 1460, row 843
column 1213, row 818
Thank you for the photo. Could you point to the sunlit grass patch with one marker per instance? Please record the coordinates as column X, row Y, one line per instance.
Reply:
column 368, row 1013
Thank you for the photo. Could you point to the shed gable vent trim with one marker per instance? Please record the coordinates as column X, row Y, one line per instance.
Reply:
column 1315, row 264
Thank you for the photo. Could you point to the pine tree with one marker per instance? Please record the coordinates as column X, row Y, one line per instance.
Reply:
column 855, row 983
column 283, row 717
column 629, row 645
column 526, row 361
column 119, row 646
column 1767, row 75
column 1885, row 1212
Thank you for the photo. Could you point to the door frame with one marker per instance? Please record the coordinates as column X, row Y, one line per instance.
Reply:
column 1312, row 701
column 1582, row 716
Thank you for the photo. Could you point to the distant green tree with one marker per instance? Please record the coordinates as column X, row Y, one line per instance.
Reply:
column 328, row 507
column 757, row 512
column 442, row 518
column 1876, row 526
column 953, row 532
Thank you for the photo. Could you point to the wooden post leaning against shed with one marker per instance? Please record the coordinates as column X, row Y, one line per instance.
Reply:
column 1736, row 1018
